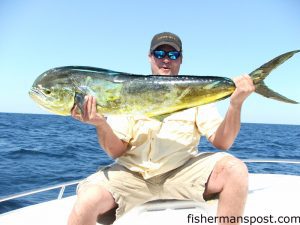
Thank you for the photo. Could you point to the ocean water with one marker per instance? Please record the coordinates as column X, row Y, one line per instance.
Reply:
column 43, row 150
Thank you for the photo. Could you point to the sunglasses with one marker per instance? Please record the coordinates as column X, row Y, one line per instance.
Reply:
column 160, row 54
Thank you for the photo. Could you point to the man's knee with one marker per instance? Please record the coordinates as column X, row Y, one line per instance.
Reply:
column 94, row 198
column 236, row 170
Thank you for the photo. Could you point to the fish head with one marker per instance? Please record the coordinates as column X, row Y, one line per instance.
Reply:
column 54, row 92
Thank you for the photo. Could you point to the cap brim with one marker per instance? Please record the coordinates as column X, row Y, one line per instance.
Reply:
column 172, row 44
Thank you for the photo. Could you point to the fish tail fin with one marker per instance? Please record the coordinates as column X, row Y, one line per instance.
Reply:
column 263, row 90
column 262, row 72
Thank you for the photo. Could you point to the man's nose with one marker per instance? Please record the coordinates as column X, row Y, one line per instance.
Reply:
column 166, row 60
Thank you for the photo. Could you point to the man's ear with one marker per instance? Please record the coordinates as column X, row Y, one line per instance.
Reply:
column 149, row 56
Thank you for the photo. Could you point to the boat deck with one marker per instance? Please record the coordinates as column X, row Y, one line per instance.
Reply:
column 269, row 195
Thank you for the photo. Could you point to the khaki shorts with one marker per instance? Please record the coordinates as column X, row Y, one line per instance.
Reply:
column 129, row 189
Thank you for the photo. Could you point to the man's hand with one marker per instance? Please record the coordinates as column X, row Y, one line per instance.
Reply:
column 89, row 114
column 106, row 137
column 244, row 87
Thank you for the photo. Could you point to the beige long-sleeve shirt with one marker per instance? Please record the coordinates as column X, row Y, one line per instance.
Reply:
column 156, row 147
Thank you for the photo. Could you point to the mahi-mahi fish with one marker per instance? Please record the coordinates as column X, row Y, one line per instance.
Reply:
column 59, row 89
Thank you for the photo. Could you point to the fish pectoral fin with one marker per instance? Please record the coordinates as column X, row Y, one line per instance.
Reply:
column 79, row 101
column 263, row 90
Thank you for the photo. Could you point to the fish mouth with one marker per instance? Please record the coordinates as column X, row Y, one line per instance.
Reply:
column 39, row 97
column 50, row 103
column 36, row 93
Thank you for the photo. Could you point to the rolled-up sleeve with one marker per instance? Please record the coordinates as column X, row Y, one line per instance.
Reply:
column 208, row 119
column 121, row 126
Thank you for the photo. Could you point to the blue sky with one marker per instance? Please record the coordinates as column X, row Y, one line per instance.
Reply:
column 222, row 38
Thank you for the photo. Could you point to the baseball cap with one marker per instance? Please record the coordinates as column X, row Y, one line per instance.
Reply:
column 166, row 38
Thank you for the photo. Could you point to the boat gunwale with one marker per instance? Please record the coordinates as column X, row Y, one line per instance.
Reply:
column 63, row 186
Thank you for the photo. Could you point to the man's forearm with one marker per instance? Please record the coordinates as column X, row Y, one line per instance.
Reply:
column 106, row 137
column 109, row 141
column 228, row 129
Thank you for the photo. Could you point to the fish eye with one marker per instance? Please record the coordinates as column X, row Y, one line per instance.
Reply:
column 47, row 91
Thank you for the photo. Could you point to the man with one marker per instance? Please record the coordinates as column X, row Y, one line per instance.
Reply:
column 158, row 159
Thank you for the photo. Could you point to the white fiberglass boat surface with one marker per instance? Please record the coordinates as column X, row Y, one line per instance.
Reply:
column 272, row 198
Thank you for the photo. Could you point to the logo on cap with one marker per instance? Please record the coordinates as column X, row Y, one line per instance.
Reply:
column 166, row 38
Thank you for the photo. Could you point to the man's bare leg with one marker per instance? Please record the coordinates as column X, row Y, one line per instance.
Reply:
column 229, row 178
column 92, row 201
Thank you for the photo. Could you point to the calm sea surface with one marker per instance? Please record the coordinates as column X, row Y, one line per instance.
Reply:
column 42, row 150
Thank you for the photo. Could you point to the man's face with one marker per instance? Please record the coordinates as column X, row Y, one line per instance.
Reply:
column 165, row 66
